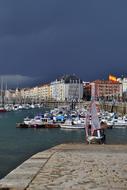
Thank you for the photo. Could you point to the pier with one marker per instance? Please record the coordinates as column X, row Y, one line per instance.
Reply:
column 71, row 167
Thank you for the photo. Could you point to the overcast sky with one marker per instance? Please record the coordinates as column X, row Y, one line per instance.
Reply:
column 43, row 39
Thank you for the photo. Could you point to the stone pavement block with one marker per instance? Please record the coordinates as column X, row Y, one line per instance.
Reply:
column 23, row 174
column 43, row 155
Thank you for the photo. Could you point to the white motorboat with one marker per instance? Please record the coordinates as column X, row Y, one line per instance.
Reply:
column 37, row 120
column 27, row 121
column 120, row 122
column 69, row 125
column 79, row 121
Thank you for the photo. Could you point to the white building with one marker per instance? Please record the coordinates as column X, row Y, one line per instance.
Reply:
column 44, row 92
column 124, row 83
column 67, row 87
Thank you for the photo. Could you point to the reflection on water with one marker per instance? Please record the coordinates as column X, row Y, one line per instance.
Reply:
column 16, row 145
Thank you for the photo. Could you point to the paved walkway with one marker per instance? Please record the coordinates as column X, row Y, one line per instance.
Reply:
column 72, row 167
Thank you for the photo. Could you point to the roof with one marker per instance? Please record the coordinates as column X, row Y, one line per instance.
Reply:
column 69, row 78
column 105, row 82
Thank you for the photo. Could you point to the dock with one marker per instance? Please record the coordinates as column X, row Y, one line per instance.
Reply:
column 71, row 167
column 45, row 125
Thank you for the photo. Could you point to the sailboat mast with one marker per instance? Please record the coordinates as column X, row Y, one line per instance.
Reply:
column 79, row 93
column 6, row 99
column 1, row 91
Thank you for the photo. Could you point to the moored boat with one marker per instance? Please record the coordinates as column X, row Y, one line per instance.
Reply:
column 2, row 110
column 70, row 125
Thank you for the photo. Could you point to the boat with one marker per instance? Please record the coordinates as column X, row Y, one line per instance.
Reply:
column 94, row 132
column 120, row 122
column 70, row 125
column 27, row 121
column 116, row 122
column 80, row 121
column 2, row 110
column 37, row 122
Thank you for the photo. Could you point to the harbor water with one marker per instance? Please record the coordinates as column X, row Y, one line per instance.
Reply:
column 18, row 144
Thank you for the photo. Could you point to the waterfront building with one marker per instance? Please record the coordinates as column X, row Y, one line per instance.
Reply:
column 16, row 96
column 67, row 87
column 123, row 81
column 29, row 95
column 25, row 92
column 106, row 89
column 36, row 94
column 26, row 95
column 57, row 90
column 34, row 97
column 9, row 96
column 86, row 91
column 44, row 92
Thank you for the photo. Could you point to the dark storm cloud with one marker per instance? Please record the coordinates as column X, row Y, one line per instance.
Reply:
column 47, row 38
column 18, row 81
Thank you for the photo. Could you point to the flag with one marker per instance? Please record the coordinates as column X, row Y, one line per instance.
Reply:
column 112, row 78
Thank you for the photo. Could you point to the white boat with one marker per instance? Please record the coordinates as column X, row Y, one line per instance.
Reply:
column 79, row 121
column 27, row 121
column 2, row 110
column 69, row 125
column 116, row 123
column 120, row 122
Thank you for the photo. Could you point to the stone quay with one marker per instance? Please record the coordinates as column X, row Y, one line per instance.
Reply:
column 71, row 167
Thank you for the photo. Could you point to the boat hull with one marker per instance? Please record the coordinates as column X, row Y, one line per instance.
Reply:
column 72, row 126
column 95, row 139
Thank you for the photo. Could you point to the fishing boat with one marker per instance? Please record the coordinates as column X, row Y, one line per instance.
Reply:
column 94, row 132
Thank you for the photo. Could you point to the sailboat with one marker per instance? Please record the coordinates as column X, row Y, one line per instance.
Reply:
column 94, row 132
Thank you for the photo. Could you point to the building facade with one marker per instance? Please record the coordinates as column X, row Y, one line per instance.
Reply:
column 106, row 89
column 87, row 91
column 44, row 92
column 37, row 93
column 67, row 87
column 124, row 84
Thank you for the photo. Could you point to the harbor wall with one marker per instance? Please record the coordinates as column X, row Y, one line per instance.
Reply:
column 120, row 108
column 53, row 104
